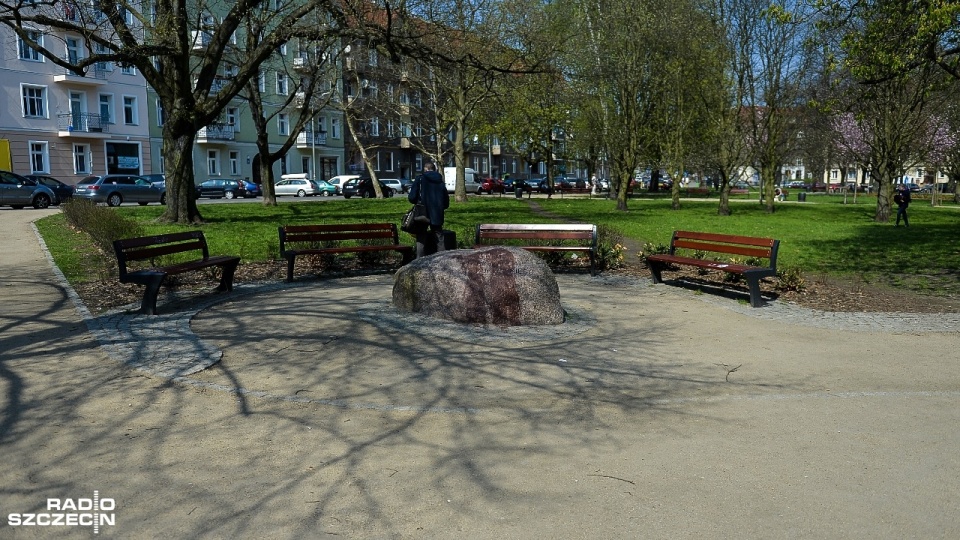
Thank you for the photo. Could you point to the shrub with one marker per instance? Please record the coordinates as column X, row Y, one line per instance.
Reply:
column 104, row 225
column 651, row 248
column 610, row 248
column 790, row 279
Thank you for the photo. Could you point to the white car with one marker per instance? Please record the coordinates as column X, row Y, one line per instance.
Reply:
column 298, row 187
column 340, row 180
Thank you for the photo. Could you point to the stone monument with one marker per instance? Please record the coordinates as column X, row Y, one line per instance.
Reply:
column 505, row 286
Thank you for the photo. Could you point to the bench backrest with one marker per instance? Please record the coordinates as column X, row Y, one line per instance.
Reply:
column 150, row 247
column 338, row 231
column 748, row 246
column 584, row 232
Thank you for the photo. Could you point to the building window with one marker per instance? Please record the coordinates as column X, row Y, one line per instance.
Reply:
column 127, row 69
column 282, row 85
column 335, row 128
column 234, row 163
column 73, row 50
column 418, row 162
column 388, row 159
column 375, row 127
column 213, row 162
column 161, row 114
column 130, row 117
column 233, row 116
column 80, row 163
column 261, row 82
column 26, row 51
column 34, row 101
column 106, row 108
column 372, row 57
column 283, row 124
column 39, row 157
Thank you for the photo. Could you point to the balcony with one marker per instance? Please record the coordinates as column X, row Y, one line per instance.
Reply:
column 82, row 125
column 95, row 76
column 302, row 63
column 309, row 139
column 215, row 133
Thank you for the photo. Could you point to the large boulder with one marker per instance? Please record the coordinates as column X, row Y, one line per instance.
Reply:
column 494, row 285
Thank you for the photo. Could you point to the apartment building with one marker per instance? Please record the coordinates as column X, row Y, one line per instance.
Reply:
column 227, row 148
column 68, row 125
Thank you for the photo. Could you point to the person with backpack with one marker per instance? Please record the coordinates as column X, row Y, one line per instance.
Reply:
column 902, row 198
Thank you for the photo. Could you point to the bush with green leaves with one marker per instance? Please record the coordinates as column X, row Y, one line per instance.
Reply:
column 790, row 279
column 104, row 225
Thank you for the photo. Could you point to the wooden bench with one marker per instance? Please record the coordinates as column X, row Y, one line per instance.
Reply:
column 328, row 238
column 748, row 246
column 576, row 238
column 151, row 247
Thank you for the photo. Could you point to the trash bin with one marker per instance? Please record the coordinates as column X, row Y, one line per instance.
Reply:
column 518, row 191
column 802, row 196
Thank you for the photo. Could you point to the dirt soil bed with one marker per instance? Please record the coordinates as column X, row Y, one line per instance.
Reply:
column 826, row 294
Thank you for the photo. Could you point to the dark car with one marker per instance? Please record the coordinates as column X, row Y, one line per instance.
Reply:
column 222, row 188
column 407, row 183
column 363, row 188
column 17, row 192
column 115, row 189
column 61, row 190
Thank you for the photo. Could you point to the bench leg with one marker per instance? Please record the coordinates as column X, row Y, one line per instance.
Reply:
column 226, row 279
column 593, row 264
column 408, row 255
column 290, row 259
column 755, row 299
column 655, row 269
column 148, row 306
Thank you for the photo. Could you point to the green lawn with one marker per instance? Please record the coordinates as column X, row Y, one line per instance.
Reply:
column 820, row 237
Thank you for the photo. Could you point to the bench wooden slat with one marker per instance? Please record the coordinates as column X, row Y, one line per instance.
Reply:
column 724, row 248
column 584, row 233
column 749, row 246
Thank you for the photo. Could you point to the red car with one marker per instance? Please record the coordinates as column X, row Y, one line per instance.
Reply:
column 489, row 185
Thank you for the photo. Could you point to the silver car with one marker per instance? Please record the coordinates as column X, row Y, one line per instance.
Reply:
column 17, row 191
column 115, row 189
column 298, row 187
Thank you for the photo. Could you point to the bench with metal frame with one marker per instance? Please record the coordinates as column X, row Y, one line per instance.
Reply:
column 297, row 240
column 553, row 237
column 149, row 248
column 746, row 246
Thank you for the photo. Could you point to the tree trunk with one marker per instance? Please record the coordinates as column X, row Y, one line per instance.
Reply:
column 181, row 199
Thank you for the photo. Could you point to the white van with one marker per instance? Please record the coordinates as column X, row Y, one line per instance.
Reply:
column 469, row 179
column 339, row 181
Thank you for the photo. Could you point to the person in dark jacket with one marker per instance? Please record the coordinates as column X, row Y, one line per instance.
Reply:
column 902, row 198
column 430, row 189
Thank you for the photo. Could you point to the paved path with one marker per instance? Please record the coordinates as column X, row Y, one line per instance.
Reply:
column 314, row 410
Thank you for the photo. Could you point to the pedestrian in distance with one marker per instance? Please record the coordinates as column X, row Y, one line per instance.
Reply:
column 430, row 190
column 902, row 198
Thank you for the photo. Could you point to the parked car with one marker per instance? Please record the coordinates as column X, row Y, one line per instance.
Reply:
column 604, row 184
column 363, row 188
column 18, row 192
column 326, row 189
column 338, row 181
column 941, row 188
column 158, row 180
column 222, row 188
column 253, row 189
column 490, row 185
column 116, row 189
column 61, row 190
column 407, row 183
column 913, row 187
column 798, row 184
column 394, row 184
column 298, row 187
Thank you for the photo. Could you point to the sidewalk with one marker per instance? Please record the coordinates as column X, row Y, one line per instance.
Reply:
column 653, row 413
